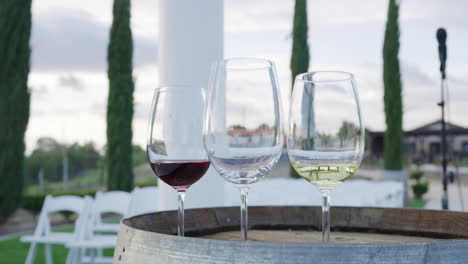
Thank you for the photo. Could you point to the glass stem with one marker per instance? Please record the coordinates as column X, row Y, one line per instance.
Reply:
column 244, row 212
column 180, row 214
column 325, row 215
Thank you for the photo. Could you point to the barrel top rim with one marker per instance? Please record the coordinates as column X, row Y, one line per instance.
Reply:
column 126, row 224
column 195, row 240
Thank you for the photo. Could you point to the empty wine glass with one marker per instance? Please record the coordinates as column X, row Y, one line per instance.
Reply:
column 175, row 140
column 243, row 129
column 325, row 133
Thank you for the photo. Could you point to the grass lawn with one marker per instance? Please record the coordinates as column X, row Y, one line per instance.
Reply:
column 13, row 251
column 416, row 204
column 87, row 180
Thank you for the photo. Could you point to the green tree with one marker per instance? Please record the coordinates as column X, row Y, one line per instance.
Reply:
column 82, row 157
column 346, row 133
column 393, row 140
column 48, row 155
column 15, row 31
column 300, row 49
column 120, row 100
column 139, row 156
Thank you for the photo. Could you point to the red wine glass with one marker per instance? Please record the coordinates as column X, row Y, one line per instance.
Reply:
column 175, row 140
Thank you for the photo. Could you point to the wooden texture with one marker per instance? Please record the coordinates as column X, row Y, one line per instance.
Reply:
column 364, row 235
column 300, row 236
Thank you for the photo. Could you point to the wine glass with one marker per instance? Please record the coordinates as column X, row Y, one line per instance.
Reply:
column 175, row 140
column 325, row 133
column 243, row 127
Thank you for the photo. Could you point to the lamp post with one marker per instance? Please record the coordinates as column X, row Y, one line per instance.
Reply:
column 441, row 38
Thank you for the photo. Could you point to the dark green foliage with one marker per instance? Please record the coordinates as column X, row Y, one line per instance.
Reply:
column 367, row 138
column 49, row 154
column 393, row 140
column 417, row 175
column 138, row 156
column 237, row 126
column 15, row 29
column 419, row 189
column 147, row 183
column 300, row 49
column 120, row 100
column 347, row 132
column 33, row 203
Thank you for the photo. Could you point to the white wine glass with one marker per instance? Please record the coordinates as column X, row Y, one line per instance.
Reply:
column 325, row 133
column 243, row 132
column 175, row 140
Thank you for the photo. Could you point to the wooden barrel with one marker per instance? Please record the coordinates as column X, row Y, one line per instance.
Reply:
column 291, row 235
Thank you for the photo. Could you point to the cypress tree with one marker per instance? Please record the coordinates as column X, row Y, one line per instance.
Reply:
column 120, row 100
column 300, row 49
column 15, row 29
column 393, row 139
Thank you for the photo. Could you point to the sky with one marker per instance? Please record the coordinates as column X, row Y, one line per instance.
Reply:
column 69, row 41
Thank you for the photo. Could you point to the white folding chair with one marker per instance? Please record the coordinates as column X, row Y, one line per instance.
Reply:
column 43, row 233
column 143, row 201
column 115, row 202
column 92, row 242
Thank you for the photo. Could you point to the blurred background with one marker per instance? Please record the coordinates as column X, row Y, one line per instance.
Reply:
column 65, row 140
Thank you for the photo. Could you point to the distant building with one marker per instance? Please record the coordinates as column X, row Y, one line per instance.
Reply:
column 242, row 137
column 423, row 143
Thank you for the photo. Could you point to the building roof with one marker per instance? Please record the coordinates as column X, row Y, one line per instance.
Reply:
column 432, row 128
column 435, row 128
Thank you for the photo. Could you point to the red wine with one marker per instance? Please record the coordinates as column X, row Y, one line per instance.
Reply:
column 180, row 174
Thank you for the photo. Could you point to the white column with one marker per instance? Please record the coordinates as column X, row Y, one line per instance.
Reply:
column 190, row 40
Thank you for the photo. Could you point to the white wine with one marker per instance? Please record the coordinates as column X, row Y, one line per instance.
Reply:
column 326, row 175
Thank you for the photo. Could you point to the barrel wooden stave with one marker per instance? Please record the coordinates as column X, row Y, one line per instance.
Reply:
column 147, row 239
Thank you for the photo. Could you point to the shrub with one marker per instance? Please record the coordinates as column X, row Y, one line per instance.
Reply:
column 147, row 183
column 416, row 175
column 419, row 189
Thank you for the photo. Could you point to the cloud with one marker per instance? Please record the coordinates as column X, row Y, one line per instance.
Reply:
column 270, row 15
column 70, row 81
column 141, row 110
column 40, row 91
column 415, row 76
column 452, row 12
column 98, row 108
column 72, row 40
